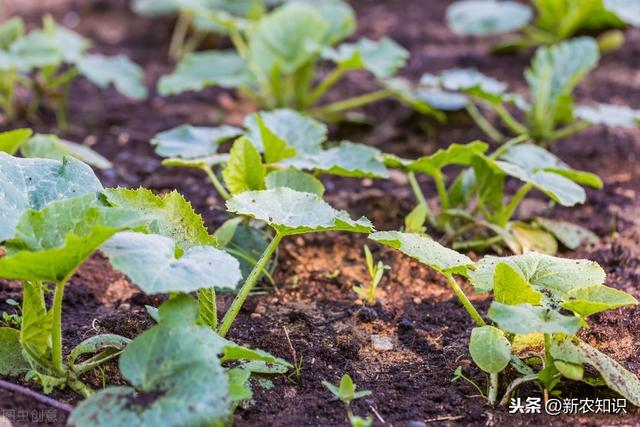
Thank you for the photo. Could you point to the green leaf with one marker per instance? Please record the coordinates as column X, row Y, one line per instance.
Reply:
column 10, row 31
column 35, row 50
column 414, row 222
column 11, row 140
column 511, row 288
column 293, row 212
column 306, row 135
column 35, row 330
column 70, row 44
column 192, row 142
column 347, row 159
column 175, row 375
column 466, row 81
column 486, row 17
column 609, row 114
column 287, row 39
column 12, row 363
column 489, row 349
column 207, row 308
column 408, row 94
column 224, row 234
column 616, row 376
column 594, row 299
column 236, row 352
column 382, row 58
column 294, row 179
column 455, row 154
column 338, row 14
column 200, row 70
column 425, row 250
column 170, row 215
column 548, row 274
column 33, row 183
column 120, row 71
column 150, row 262
column 570, row 235
column 346, row 392
column 525, row 319
column 47, row 146
column 275, row 148
column 244, row 170
column 155, row 8
column 554, row 72
column 239, row 385
column 533, row 239
column 627, row 10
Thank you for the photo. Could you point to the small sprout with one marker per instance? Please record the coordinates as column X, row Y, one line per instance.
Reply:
column 376, row 271
column 346, row 393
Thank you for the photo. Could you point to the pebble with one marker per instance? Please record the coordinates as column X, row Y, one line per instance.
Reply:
column 260, row 309
column 256, row 315
column 416, row 424
column 417, row 301
column 381, row 343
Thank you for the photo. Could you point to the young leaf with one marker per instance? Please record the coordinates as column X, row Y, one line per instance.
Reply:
column 150, row 261
column 455, row 154
column 12, row 363
column 533, row 239
column 275, row 148
column 11, row 30
column 12, row 140
column 546, row 273
column 244, row 170
column 36, row 327
column 382, row 58
column 338, row 14
column 627, row 10
column 490, row 349
column 609, row 114
column 47, row 146
column 306, row 135
column 467, row 81
column 293, row 212
column 570, row 235
column 487, row 17
column 525, row 319
column 192, row 142
column 294, row 179
column 126, row 77
column 594, row 299
column 511, row 288
column 33, row 183
column 425, row 250
column 169, row 215
column 175, row 375
column 197, row 71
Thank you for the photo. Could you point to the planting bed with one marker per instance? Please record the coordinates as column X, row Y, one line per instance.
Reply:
column 312, row 315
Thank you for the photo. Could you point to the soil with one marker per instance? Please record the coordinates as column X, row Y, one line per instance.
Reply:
column 313, row 302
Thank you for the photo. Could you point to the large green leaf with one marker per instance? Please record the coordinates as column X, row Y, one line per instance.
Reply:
column 347, row 159
column 197, row 71
column 169, row 215
column 594, row 299
column 150, row 262
column 33, row 183
column 12, row 363
column 569, row 234
column 288, row 38
column 485, row 17
column 11, row 140
column 609, row 114
column 627, row 10
column 32, row 51
column 338, row 14
column 425, row 250
column 47, row 146
column 511, row 288
column 490, row 349
column 35, row 330
column 293, row 212
column 548, row 274
column 294, row 179
column 305, row 134
column 244, row 170
column 175, row 375
column 126, row 77
column 526, row 319
column 382, row 58
column 455, row 154
column 192, row 142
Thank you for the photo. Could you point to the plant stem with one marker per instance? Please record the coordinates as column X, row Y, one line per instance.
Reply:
column 477, row 243
column 417, row 191
column 493, row 388
column 569, row 130
column 179, row 35
column 56, row 331
column 348, row 104
column 507, row 145
column 251, row 281
column 327, row 83
column 216, row 182
column 483, row 123
column 514, row 384
column 509, row 120
column 514, row 202
column 464, row 300
column 548, row 359
column 442, row 190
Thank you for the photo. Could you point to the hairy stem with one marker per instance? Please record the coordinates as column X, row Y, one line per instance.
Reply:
column 493, row 388
column 56, row 331
column 251, row 281
column 465, row 301
column 216, row 182
column 483, row 123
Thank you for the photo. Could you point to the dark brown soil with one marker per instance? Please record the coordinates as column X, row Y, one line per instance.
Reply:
column 330, row 330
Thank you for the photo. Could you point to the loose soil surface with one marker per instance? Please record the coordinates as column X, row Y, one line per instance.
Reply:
column 313, row 301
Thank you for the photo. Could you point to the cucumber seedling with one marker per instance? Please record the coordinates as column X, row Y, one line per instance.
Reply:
column 346, row 393
column 376, row 271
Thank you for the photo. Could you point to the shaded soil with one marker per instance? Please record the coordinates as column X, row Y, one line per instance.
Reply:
column 330, row 331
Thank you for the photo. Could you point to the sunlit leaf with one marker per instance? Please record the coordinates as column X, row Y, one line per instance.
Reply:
column 485, row 17
column 119, row 71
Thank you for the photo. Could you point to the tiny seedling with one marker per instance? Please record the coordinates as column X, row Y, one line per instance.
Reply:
column 275, row 58
column 556, row 21
column 46, row 61
column 346, row 393
column 12, row 320
column 459, row 375
column 549, row 113
column 376, row 271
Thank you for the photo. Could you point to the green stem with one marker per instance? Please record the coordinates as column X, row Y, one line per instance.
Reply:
column 569, row 130
column 483, row 123
column 417, row 191
column 493, row 388
column 234, row 309
column 216, row 182
column 327, row 83
column 514, row 202
column 511, row 122
column 514, row 385
column 179, row 35
column 442, row 190
column 472, row 244
column 548, row 359
column 507, row 145
column 351, row 103
column 56, row 331
column 465, row 301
